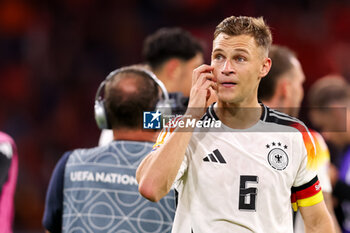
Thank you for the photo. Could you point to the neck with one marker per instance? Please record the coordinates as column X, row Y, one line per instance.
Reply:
column 281, row 105
column 171, row 85
column 239, row 116
column 134, row 135
column 275, row 102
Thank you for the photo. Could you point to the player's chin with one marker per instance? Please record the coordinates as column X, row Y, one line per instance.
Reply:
column 227, row 97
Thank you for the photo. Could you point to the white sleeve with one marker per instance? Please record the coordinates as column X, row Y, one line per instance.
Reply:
column 304, row 174
column 323, row 158
column 323, row 176
column 162, row 138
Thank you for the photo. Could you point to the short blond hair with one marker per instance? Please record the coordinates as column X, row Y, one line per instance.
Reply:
column 244, row 25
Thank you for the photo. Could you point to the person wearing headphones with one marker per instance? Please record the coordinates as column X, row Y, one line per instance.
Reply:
column 95, row 190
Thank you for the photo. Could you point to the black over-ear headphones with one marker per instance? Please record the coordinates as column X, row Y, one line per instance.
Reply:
column 163, row 104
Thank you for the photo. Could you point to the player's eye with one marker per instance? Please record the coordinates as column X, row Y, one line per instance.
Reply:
column 218, row 56
column 240, row 58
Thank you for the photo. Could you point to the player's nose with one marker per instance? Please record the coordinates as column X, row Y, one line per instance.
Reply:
column 227, row 68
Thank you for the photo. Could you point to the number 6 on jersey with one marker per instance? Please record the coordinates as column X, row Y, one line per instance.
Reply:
column 247, row 196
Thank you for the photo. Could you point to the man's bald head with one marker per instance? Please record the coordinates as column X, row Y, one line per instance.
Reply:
column 127, row 95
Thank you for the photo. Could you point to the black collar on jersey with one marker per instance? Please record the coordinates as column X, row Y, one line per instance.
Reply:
column 210, row 113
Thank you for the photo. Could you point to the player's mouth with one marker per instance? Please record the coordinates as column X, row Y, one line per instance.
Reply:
column 228, row 84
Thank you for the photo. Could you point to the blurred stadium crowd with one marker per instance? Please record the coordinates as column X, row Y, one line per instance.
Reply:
column 54, row 54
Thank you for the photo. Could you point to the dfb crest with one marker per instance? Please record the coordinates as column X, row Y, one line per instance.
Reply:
column 277, row 156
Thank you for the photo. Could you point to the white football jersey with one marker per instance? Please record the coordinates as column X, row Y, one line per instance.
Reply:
column 240, row 180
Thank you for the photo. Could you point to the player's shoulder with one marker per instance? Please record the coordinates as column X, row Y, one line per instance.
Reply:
column 276, row 117
column 83, row 153
column 316, row 135
column 112, row 148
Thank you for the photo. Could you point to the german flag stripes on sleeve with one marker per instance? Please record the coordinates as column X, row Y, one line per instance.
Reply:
column 309, row 144
column 166, row 132
column 307, row 195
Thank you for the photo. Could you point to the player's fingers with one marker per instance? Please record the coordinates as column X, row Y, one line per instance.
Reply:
column 198, row 95
column 207, row 84
column 198, row 90
column 215, row 86
column 211, row 96
column 203, row 77
column 199, row 70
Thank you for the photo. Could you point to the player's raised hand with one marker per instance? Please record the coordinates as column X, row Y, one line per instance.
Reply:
column 202, row 80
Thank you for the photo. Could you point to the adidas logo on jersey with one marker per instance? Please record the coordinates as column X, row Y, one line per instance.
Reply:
column 215, row 157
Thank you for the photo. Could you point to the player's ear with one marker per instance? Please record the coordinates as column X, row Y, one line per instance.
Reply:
column 265, row 67
column 173, row 68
